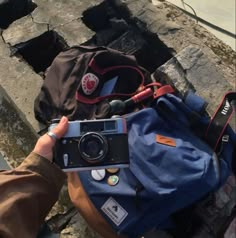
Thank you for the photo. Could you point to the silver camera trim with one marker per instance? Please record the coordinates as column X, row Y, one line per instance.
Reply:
column 74, row 128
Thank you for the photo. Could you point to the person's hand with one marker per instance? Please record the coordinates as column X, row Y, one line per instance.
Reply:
column 45, row 144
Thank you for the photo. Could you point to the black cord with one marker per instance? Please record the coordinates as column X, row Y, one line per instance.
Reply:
column 199, row 19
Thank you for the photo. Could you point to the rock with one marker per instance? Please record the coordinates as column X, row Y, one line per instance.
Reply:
column 177, row 31
column 78, row 229
column 74, row 32
column 21, row 84
column 230, row 233
column 16, row 137
column 60, row 12
column 3, row 163
column 192, row 69
column 23, row 30
column 11, row 10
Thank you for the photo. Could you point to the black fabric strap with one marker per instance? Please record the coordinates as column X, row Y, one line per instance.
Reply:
column 221, row 119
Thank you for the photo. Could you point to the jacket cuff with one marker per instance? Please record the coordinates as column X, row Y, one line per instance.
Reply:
column 38, row 164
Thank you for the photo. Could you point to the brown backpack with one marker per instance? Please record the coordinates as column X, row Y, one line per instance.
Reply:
column 82, row 80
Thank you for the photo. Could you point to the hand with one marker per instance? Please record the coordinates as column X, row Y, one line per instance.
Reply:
column 45, row 144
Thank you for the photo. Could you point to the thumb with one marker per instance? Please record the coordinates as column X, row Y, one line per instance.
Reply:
column 61, row 127
column 45, row 143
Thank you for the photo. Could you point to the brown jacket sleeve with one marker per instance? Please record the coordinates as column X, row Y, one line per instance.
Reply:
column 27, row 194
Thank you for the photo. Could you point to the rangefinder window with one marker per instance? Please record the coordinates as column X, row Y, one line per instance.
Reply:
column 110, row 126
column 96, row 126
column 91, row 126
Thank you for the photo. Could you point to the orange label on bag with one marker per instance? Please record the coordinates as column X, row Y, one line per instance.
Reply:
column 165, row 140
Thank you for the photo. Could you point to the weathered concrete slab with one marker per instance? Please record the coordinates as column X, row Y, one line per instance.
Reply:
column 75, row 230
column 74, row 32
column 177, row 31
column 16, row 137
column 60, row 12
column 21, row 84
column 23, row 30
column 230, row 233
column 149, row 17
column 3, row 163
column 156, row 21
column 191, row 68
column 218, row 212
column 64, row 15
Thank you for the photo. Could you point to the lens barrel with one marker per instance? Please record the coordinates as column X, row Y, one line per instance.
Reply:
column 93, row 147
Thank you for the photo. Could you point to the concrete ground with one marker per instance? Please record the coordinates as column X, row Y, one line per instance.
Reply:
column 159, row 36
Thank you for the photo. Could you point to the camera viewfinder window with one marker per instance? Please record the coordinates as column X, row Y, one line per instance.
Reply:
column 92, row 126
column 110, row 125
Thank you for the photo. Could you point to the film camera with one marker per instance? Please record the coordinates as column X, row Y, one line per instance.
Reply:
column 93, row 144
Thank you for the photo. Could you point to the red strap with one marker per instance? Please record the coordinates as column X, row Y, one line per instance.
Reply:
column 96, row 69
column 92, row 64
column 158, row 93
column 86, row 100
column 163, row 90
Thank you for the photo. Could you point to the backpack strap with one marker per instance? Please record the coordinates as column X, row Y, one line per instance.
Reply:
column 160, row 91
column 195, row 102
column 221, row 119
column 102, row 71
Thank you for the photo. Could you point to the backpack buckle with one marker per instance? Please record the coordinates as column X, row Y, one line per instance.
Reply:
column 225, row 138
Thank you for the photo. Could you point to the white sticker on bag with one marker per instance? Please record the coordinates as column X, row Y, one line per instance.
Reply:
column 89, row 83
column 114, row 211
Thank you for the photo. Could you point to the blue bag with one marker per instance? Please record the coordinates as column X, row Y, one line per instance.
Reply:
column 173, row 163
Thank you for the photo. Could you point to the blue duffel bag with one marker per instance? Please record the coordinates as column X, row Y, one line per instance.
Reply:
column 177, row 156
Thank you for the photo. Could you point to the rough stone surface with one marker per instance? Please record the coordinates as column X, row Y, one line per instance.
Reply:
column 3, row 163
column 60, row 12
column 16, row 137
column 50, row 15
column 78, row 231
column 21, row 84
column 74, row 32
column 23, row 30
column 230, row 233
column 178, row 31
column 191, row 68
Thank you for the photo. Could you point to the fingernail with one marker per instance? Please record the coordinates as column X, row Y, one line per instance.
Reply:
column 63, row 119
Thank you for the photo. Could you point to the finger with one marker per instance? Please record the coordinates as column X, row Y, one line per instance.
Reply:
column 61, row 128
column 45, row 143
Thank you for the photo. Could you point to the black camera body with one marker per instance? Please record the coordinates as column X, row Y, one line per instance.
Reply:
column 93, row 144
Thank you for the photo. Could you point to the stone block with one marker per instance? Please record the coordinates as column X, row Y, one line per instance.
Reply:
column 16, row 137
column 230, row 233
column 64, row 15
column 177, row 31
column 78, row 228
column 60, row 12
column 74, row 32
column 192, row 69
column 21, row 84
column 23, row 30
column 134, row 7
column 3, row 163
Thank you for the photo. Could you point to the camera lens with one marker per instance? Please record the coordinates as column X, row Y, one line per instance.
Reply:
column 93, row 147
